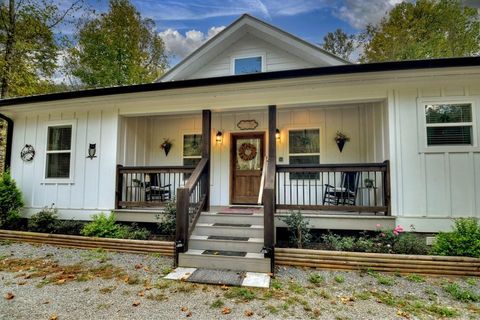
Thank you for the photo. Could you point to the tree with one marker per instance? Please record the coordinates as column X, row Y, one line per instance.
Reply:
column 339, row 43
column 28, row 48
column 421, row 30
column 117, row 48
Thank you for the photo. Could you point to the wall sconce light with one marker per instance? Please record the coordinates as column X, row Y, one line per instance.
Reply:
column 92, row 150
column 277, row 134
column 219, row 137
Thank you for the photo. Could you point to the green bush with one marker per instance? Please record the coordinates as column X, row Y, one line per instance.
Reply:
column 10, row 200
column 298, row 228
column 410, row 243
column 103, row 226
column 464, row 240
column 70, row 227
column 167, row 224
column 43, row 221
column 345, row 243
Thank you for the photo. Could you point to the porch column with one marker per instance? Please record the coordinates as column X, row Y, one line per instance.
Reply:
column 206, row 153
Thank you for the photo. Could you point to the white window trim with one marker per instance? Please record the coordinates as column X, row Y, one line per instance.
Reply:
column 262, row 55
column 422, row 125
column 287, row 149
column 59, row 123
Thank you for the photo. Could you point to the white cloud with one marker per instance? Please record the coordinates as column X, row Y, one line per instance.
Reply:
column 359, row 13
column 180, row 45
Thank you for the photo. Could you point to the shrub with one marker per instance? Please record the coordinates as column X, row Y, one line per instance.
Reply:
column 10, row 200
column 43, row 221
column 70, row 227
column 167, row 225
column 103, row 226
column 298, row 228
column 409, row 243
column 464, row 240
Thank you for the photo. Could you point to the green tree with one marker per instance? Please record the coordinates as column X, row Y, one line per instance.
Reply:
column 117, row 48
column 339, row 43
column 28, row 48
column 421, row 30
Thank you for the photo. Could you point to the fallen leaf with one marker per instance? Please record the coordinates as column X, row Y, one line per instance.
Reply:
column 189, row 314
column 53, row 317
column 248, row 313
column 46, row 302
column 226, row 310
column 146, row 269
column 141, row 294
column 126, row 279
column 346, row 299
column 27, row 276
column 139, row 266
column 403, row 314
column 184, row 309
column 22, row 283
column 148, row 288
column 9, row 296
column 61, row 281
column 136, row 303
column 224, row 287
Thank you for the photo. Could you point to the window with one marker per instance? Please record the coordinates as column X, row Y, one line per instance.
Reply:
column 192, row 150
column 247, row 65
column 59, row 152
column 304, row 148
column 449, row 124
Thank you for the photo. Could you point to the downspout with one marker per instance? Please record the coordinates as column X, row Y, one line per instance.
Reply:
column 8, row 149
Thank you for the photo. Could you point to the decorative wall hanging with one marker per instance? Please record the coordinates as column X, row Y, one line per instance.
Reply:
column 247, row 151
column 28, row 153
column 340, row 139
column 92, row 150
column 247, row 124
column 166, row 145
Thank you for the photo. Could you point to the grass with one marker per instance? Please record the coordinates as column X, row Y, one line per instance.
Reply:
column 156, row 296
column 460, row 294
column 339, row 278
column 364, row 295
column 242, row 293
column 166, row 270
column 296, row 287
column 217, row 304
column 315, row 278
column 415, row 278
column 469, row 281
column 272, row 309
column 385, row 280
column 442, row 311
column 276, row 284
column 98, row 254
column 106, row 290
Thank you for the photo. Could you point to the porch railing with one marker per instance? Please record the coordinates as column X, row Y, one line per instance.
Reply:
column 334, row 187
column 191, row 200
column 149, row 186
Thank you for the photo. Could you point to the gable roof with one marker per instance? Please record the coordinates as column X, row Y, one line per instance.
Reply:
column 249, row 24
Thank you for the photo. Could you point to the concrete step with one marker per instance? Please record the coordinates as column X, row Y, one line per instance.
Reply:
column 209, row 229
column 213, row 217
column 245, row 244
column 253, row 262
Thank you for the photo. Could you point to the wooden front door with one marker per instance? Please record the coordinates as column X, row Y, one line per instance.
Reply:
column 247, row 152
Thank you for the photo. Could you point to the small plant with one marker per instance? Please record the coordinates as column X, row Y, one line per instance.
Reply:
column 462, row 241
column 296, row 287
column 103, row 226
column 339, row 278
column 70, row 227
column 11, row 200
column 442, row 311
column 386, row 281
column 217, row 304
column 240, row 292
column 298, row 228
column 167, row 223
column 315, row 278
column 43, row 221
column 460, row 294
column 415, row 278
column 471, row 281
column 410, row 243
column 276, row 284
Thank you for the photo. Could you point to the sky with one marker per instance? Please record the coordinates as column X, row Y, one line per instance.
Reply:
column 185, row 24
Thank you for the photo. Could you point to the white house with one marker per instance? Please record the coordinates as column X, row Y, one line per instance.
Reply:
column 253, row 115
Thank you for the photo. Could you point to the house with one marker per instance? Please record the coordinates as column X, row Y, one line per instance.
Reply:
column 258, row 116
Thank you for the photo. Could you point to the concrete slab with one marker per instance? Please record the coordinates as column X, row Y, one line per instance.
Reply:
column 257, row 280
column 180, row 274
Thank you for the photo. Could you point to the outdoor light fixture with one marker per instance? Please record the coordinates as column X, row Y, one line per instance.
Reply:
column 219, row 137
column 277, row 134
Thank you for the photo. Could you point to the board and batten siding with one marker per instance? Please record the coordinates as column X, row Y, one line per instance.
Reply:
column 432, row 186
column 140, row 137
column 92, row 187
column 276, row 59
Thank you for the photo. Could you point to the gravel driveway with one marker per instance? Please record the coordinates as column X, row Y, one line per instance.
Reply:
column 45, row 282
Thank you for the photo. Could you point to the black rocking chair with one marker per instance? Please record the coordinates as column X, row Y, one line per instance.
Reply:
column 154, row 189
column 346, row 194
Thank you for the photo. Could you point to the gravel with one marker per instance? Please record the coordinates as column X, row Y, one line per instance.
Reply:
column 359, row 296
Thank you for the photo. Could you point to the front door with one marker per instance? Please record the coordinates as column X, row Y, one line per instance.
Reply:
column 247, row 152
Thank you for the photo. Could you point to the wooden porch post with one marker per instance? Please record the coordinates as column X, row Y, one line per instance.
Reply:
column 206, row 150
column 119, row 187
column 386, row 187
column 269, row 191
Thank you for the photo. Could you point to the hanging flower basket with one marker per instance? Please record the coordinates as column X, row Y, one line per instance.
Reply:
column 340, row 139
column 166, row 145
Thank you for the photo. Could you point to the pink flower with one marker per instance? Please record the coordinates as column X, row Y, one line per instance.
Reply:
column 382, row 234
column 395, row 232
column 378, row 225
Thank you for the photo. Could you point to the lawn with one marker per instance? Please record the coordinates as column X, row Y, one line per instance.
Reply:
column 45, row 282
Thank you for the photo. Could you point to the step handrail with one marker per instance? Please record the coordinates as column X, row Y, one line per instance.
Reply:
column 262, row 180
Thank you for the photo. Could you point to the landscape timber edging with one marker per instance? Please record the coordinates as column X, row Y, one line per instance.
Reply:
column 165, row 248
column 384, row 262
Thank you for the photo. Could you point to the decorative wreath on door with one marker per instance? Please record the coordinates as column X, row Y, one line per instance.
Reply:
column 247, row 151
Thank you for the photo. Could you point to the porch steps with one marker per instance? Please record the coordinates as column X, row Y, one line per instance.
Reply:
column 227, row 241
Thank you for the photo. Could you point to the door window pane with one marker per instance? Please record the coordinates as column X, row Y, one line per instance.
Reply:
column 58, row 165
column 248, row 154
column 248, row 65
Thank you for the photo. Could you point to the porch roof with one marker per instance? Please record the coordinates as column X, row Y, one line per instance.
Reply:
column 254, row 77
